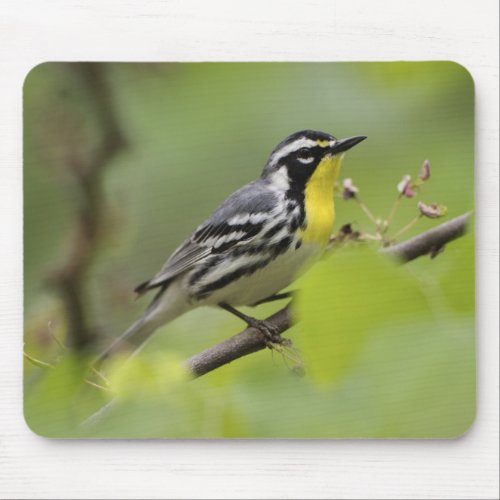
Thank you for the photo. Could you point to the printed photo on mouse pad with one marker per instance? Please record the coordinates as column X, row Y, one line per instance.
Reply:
column 249, row 250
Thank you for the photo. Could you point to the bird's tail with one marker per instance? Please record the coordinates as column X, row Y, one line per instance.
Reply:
column 132, row 339
column 165, row 307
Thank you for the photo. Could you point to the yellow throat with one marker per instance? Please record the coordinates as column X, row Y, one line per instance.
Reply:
column 318, row 201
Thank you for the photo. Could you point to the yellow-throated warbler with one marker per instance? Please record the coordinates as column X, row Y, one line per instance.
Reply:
column 256, row 243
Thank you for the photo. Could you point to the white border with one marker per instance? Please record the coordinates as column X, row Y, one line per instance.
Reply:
column 327, row 30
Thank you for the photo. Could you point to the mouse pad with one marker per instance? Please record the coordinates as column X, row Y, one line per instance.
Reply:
column 249, row 250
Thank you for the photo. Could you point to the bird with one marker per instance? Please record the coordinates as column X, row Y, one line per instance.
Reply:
column 255, row 244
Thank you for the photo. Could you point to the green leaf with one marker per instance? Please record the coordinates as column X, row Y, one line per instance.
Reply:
column 345, row 299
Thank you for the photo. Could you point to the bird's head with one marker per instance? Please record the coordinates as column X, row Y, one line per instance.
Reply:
column 304, row 155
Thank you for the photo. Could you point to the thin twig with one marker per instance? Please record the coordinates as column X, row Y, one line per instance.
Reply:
column 366, row 210
column 407, row 226
column 393, row 209
column 98, row 386
column 37, row 362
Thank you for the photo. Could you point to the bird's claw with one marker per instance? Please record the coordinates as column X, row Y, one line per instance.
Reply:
column 270, row 331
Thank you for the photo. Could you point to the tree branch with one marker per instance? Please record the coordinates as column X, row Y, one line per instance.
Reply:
column 244, row 343
column 251, row 340
column 86, row 171
column 430, row 242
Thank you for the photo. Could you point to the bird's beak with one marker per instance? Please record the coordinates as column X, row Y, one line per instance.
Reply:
column 342, row 145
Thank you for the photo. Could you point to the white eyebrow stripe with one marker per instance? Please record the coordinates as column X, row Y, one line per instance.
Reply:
column 303, row 142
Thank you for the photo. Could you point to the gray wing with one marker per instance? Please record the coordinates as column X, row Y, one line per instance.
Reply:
column 239, row 219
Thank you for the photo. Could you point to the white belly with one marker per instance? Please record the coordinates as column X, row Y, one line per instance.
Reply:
column 269, row 280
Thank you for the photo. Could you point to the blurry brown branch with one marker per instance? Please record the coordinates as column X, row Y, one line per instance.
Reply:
column 86, row 172
column 251, row 340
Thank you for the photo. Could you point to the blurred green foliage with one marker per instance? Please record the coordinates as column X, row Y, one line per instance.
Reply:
column 389, row 351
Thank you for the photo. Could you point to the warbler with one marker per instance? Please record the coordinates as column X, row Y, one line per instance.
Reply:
column 256, row 243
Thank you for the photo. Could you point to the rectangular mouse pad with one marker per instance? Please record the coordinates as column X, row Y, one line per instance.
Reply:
column 249, row 250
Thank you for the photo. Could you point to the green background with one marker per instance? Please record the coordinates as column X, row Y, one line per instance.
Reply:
column 388, row 351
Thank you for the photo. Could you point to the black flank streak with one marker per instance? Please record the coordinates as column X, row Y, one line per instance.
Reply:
column 282, row 246
column 295, row 196
column 294, row 224
column 248, row 250
column 197, row 275
column 273, row 252
column 230, row 277
column 274, row 230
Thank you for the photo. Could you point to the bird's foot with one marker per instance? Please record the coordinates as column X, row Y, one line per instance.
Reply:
column 271, row 332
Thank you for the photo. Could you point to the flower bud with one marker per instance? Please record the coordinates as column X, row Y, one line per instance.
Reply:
column 350, row 189
column 425, row 171
column 346, row 229
column 432, row 211
column 405, row 187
